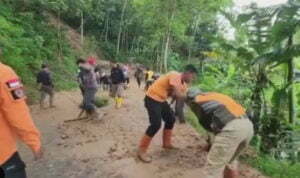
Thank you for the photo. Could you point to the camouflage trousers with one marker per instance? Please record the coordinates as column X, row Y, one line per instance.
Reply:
column 227, row 146
column 117, row 90
column 47, row 90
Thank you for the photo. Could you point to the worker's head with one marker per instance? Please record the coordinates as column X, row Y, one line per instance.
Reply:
column 45, row 67
column 80, row 61
column 190, row 72
column 193, row 92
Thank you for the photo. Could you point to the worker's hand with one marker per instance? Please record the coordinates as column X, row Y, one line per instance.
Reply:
column 38, row 154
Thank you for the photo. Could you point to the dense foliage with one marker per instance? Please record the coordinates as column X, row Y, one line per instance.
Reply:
column 28, row 40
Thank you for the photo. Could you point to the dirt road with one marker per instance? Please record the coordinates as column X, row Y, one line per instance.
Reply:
column 106, row 148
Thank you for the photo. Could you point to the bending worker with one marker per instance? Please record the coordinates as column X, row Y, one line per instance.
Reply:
column 117, row 79
column 15, row 122
column 172, row 84
column 228, row 121
column 87, row 78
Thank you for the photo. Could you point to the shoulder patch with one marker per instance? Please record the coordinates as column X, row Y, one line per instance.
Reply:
column 15, row 88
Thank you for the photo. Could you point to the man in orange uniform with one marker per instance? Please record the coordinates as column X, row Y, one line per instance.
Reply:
column 233, row 130
column 15, row 122
column 173, row 85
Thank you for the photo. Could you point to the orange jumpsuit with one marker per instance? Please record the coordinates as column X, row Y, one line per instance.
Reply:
column 15, row 119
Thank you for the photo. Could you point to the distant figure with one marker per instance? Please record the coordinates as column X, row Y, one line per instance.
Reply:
column 117, row 79
column 105, row 81
column 148, row 78
column 80, row 62
column 139, row 76
column 46, row 86
column 89, row 82
column 126, row 75
column 15, row 124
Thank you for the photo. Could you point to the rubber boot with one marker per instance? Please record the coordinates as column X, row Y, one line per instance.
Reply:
column 167, row 139
column 117, row 102
column 51, row 102
column 121, row 101
column 230, row 173
column 143, row 147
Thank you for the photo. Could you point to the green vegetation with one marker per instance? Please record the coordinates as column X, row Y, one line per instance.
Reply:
column 27, row 41
column 101, row 101
column 274, row 168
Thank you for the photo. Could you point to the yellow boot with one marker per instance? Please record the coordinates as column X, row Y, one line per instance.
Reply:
column 116, row 102
column 121, row 101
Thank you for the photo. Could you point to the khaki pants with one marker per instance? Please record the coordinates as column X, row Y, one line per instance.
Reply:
column 47, row 90
column 227, row 146
column 117, row 90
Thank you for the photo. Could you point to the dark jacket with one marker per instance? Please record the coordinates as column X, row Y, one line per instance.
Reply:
column 117, row 76
column 44, row 78
column 87, row 78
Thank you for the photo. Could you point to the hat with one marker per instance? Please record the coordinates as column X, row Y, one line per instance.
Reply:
column 193, row 92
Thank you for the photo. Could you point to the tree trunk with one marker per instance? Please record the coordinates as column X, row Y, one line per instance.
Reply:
column 291, row 93
column 107, row 28
column 121, row 26
column 81, row 29
column 161, row 56
column 59, row 50
column 166, row 53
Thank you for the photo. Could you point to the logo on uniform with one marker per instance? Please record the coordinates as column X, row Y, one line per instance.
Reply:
column 15, row 87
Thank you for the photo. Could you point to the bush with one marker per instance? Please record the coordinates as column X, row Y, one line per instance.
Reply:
column 27, row 41
column 101, row 101
column 274, row 168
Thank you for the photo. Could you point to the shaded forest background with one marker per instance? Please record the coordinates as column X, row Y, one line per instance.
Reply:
column 254, row 58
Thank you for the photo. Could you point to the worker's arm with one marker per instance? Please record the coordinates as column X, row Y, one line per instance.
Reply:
column 16, row 112
column 178, row 88
column 179, row 110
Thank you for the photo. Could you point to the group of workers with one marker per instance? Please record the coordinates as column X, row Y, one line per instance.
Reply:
column 216, row 112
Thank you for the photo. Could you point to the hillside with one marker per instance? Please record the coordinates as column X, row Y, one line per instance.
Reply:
column 29, row 39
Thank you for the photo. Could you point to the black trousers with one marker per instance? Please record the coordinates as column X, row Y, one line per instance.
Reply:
column 14, row 167
column 157, row 112
column 138, row 80
column 148, row 84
